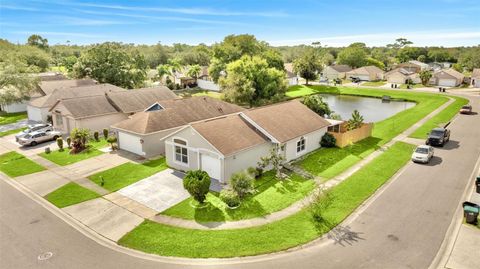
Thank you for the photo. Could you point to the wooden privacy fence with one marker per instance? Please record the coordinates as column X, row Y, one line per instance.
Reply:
column 345, row 138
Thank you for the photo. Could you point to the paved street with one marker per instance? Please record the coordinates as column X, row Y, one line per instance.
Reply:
column 403, row 228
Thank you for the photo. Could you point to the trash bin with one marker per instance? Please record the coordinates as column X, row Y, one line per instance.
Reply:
column 470, row 212
column 477, row 183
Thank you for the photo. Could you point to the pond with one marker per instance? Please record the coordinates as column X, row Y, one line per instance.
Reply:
column 372, row 109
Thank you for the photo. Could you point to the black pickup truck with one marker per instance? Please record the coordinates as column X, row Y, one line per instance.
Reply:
column 438, row 137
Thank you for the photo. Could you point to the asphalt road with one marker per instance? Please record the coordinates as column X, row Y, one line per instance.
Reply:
column 403, row 228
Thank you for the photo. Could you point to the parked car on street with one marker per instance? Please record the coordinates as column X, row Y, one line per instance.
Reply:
column 41, row 127
column 467, row 109
column 438, row 137
column 35, row 138
column 422, row 154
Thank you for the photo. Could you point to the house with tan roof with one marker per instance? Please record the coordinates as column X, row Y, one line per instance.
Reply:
column 144, row 132
column 336, row 71
column 101, row 108
column 475, row 81
column 447, row 78
column 228, row 144
column 366, row 73
column 402, row 76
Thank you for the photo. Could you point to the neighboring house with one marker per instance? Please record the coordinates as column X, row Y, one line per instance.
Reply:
column 225, row 145
column 447, row 78
column 366, row 73
column 144, row 132
column 22, row 106
column 475, row 81
column 38, row 109
column 410, row 67
column 401, row 76
column 290, row 75
column 205, row 82
column 423, row 66
column 103, row 108
column 336, row 71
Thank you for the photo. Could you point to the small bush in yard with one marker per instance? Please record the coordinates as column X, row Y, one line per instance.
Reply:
column 230, row 197
column 254, row 172
column 323, row 199
column 242, row 184
column 197, row 183
column 95, row 136
column 105, row 134
column 112, row 140
column 328, row 141
column 69, row 142
column 60, row 144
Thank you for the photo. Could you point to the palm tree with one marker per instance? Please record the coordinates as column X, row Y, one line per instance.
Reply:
column 425, row 76
column 194, row 71
column 356, row 121
column 163, row 70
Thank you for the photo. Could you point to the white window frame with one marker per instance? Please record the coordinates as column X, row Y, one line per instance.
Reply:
column 175, row 145
column 304, row 145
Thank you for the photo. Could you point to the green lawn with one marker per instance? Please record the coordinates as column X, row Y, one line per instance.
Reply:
column 2, row 134
column 64, row 157
column 14, row 164
column 128, row 173
column 374, row 83
column 272, row 195
column 208, row 93
column 6, row 118
column 331, row 162
column 441, row 118
column 297, row 229
column 70, row 194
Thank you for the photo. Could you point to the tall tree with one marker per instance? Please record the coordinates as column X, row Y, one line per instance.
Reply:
column 317, row 105
column 425, row 76
column 110, row 63
column 37, row 41
column 353, row 56
column 194, row 71
column 251, row 81
column 308, row 65
column 163, row 71
column 471, row 58
column 16, row 85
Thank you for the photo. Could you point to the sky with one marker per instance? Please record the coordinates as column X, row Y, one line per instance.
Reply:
column 445, row 23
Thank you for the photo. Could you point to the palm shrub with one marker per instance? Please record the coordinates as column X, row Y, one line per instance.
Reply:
column 356, row 121
column 230, row 197
column 328, row 140
column 242, row 184
column 105, row 134
column 79, row 139
column 425, row 76
column 60, row 144
column 197, row 183
column 322, row 200
column 95, row 136
column 112, row 140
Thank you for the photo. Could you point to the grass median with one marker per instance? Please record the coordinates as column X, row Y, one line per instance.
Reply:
column 295, row 230
column 14, row 165
column 64, row 157
column 70, row 194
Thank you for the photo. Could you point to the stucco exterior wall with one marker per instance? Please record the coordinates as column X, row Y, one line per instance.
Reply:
column 153, row 144
column 245, row 159
column 312, row 142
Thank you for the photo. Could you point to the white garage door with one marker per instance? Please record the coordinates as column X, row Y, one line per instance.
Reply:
column 211, row 165
column 130, row 143
column 34, row 113
column 364, row 77
column 447, row 82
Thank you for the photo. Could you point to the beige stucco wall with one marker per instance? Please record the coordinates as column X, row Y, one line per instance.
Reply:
column 312, row 142
column 245, row 159
column 153, row 144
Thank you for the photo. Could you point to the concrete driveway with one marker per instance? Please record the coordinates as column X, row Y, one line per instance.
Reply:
column 159, row 192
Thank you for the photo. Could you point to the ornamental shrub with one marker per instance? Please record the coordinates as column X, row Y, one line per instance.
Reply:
column 95, row 136
column 242, row 184
column 60, row 144
column 328, row 141
column 197, row 183
column 69, row 142
column 230, row 197
column 105, row 134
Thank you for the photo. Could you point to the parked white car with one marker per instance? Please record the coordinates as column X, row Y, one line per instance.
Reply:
column 41, row 127
column 422, row 154
column 35, row 138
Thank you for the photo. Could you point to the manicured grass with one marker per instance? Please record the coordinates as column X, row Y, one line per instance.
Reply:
column 272, row 195
column 64, row 157
column 330, row 162
column 374, row 83
column 128, row 173
column 14, row 165
column 6, row 118
column 70, row 194
column 2, row 134
column 297, row 229
column 208, row 93
column 441, row 118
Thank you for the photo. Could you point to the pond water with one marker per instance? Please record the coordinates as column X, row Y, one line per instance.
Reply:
column 372, row 109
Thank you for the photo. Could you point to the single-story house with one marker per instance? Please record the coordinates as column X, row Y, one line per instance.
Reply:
column 205, row 82
column 366, row 73
column 410, row 67
column 290, row 75
column 52, row 90
column 401, row 76
column 225, row 145
column 447, row 78
column 423, row 66
column 336, row 71
column 475, row 81
column 144, row 132
column 104, row 108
